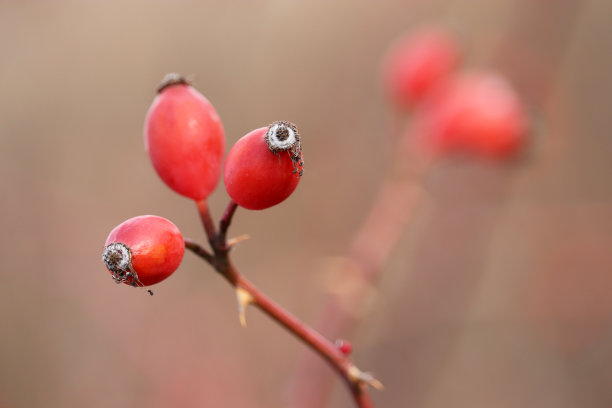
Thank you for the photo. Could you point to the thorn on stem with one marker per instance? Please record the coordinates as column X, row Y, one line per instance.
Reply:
column 358, row 376
column 234, row 241
column 244, row 299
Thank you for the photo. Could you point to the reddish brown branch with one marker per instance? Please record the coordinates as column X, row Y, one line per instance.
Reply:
column 198, row 250
column 207, row 221
column 226, row 219
column 356, row 380
column 317, row 342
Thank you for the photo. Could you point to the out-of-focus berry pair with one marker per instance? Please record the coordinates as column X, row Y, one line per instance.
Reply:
column 472, row 111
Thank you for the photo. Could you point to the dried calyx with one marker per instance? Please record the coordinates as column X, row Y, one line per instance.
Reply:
column 171, row 79
column 283, row 136
column 118, row 259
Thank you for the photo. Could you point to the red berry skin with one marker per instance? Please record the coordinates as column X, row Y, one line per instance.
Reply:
column 156, row 244
column 417, row 62
column 255, row 177
column 185, row 140
column 479, row 113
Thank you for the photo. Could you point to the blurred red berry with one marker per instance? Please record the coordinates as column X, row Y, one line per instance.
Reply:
column 476, row 112
column 418, row 61
column 184, row 138
column 264, row 167
column 143, row 250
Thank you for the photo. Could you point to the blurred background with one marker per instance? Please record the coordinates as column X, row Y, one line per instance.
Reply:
column 498, row 294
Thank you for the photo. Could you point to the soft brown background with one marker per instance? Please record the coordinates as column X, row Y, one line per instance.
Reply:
column 499, row 295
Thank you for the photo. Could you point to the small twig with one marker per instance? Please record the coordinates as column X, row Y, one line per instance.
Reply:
column 226, row 219
column 207, row 221
column 200, row 251
column 355, row 379
column 362, row 397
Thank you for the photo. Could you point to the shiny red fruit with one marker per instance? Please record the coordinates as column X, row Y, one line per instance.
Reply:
column 264, row 167
column 417, row 62
column 185, row 139
column 478, row 113
column 143, row 250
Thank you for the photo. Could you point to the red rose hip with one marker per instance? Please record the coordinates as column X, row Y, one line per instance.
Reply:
column 417, row 62
column 264, row 167
column 184, row 138
column 477, row 112
column 143, row 250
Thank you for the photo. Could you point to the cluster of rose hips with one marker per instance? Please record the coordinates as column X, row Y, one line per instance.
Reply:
column 473, row 112
column 185, row 141
column 477, row 112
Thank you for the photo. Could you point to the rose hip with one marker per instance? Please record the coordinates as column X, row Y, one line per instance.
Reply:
column 264, row 167
column 476, row 112
column 184, row 138
column 417, row 62
column 143, row 250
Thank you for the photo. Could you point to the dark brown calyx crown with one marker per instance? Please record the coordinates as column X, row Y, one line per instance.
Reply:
column 171, row 79
column 118, row 259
